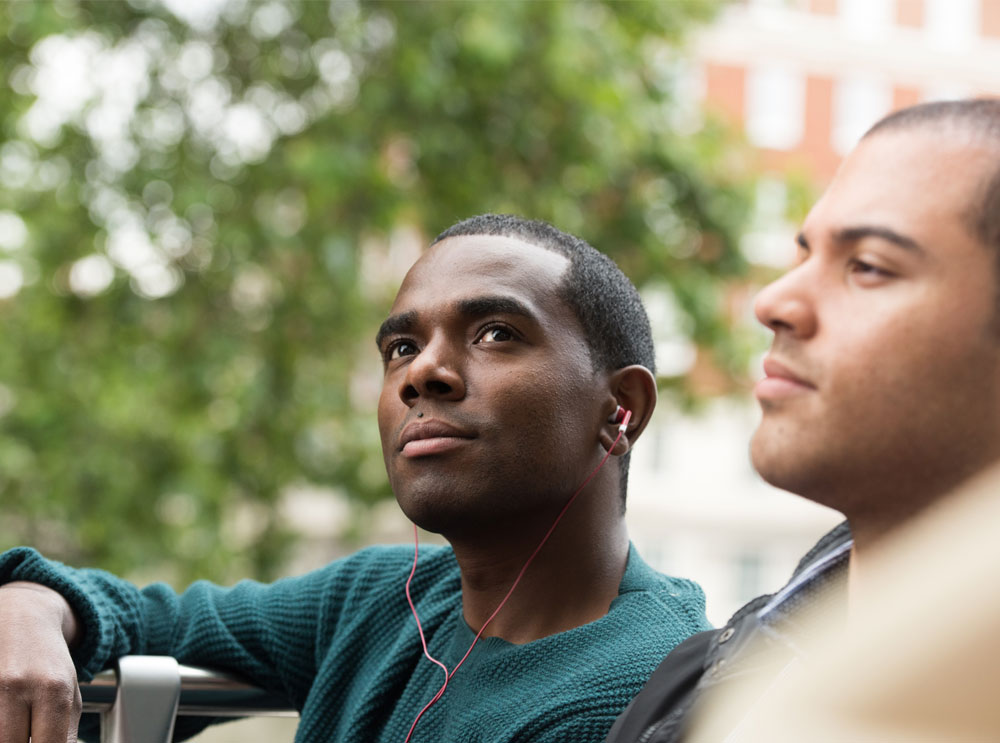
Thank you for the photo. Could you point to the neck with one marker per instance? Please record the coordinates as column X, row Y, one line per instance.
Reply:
column 873, row 528
column 955, row 531
column 869, row 530
column 893, row 495
column 571, row 581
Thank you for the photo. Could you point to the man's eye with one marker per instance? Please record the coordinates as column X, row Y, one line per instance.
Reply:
column 496, row 334
column 400, row 349
column 868, row 269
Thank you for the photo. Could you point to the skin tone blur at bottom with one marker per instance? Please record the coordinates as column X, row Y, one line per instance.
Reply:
column 882, row 392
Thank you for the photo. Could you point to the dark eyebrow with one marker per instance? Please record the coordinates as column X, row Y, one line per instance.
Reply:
column 494, row 305
column 393, row 324
column 854, row 234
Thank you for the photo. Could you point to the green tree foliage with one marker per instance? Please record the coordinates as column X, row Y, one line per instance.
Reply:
column 205, row 209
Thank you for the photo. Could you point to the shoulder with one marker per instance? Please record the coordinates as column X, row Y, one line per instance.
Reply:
column 390, row 561
column 371, row 569
column 607, row 661
column 670, row 603
column 674, row 686
column 370, row 572
column 600, row 668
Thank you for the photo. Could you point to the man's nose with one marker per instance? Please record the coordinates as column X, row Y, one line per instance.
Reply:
column 435, row 372
column 787, row 304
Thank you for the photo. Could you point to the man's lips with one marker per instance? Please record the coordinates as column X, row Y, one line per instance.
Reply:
column 422, row 438
column 780, row 381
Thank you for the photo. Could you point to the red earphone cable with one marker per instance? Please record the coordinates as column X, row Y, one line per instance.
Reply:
column 420, row 629
column 448, row 675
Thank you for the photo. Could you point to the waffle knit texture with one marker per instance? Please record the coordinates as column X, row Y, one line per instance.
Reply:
column 341, row 645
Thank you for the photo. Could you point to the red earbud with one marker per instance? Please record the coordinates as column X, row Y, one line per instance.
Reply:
column 621, row 416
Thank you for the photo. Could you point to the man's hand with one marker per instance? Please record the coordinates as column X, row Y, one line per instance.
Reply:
column 39, row 694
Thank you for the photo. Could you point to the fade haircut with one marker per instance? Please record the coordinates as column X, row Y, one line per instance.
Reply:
column 604, row 300
column 975, row 118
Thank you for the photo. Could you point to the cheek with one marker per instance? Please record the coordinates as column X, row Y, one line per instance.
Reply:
column 526, row 405
column 877, row 373
column 911, row 366
column 386, row 420
column 545, row 406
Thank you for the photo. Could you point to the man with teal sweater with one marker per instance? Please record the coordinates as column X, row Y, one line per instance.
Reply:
column 518, row 373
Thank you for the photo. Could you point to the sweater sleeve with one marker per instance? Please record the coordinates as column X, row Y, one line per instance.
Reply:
column 266, row 633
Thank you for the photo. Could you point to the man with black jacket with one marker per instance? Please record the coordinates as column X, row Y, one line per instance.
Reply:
column 881, row 392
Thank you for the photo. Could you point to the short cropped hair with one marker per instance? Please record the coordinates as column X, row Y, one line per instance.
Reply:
column 604, row 300
column 978, row 117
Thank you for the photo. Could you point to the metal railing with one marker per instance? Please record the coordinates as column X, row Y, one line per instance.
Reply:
column 140, row 700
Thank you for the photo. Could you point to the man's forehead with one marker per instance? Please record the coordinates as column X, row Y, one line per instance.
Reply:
column 480, row 262
column 499, row 251
column 905, row 180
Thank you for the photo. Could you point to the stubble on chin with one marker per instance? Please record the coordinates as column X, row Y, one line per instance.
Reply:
column 780, row 456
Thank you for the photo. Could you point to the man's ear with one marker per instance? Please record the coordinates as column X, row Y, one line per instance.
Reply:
column 634, row 388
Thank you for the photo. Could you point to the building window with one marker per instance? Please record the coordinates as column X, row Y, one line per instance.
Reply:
column 857, row 104
column 866, row 19
column 769, row 240
column 952, row 24
column 775, row 106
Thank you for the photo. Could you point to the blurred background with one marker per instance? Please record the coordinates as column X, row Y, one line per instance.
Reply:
column 206, row 207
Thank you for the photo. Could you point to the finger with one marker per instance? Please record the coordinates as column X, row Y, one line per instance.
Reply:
column 55, row 716
column 15, row 718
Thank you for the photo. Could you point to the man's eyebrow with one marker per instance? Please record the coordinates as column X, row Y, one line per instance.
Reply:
column 494, row 305
column 393, row 324
column 854, row 234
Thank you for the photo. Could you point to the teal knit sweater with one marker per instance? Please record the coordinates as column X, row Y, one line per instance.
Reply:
column 341, row 645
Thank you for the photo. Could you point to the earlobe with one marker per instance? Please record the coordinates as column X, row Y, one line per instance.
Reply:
column 611, row 441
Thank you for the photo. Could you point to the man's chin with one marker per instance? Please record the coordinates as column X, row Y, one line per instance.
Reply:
column 776, row 459
column 436, row 510
column 760, row 452
column 788, row 468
